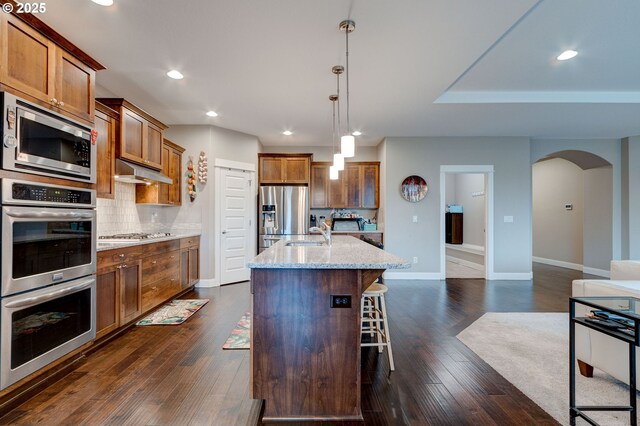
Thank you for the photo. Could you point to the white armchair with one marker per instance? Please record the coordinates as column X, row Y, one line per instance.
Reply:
column 594, row 349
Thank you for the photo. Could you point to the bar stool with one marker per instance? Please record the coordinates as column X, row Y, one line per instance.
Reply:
column 373, row 312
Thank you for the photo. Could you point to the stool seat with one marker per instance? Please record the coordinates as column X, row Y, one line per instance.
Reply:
column 376, row 288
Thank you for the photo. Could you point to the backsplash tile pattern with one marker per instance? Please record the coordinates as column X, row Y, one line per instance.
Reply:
column 121, row 215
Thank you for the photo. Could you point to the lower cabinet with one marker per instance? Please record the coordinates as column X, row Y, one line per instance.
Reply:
column 134, row 280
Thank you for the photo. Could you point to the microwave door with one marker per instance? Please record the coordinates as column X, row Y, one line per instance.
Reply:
column 53, row 143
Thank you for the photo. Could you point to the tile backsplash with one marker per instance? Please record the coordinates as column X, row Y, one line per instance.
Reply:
column 119, row 216
column 122, row 215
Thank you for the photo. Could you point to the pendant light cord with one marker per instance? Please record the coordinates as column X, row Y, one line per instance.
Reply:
column 333, row 137
column 346, row 32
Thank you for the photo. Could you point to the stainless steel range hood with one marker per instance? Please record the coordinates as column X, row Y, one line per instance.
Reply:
column 134, row 173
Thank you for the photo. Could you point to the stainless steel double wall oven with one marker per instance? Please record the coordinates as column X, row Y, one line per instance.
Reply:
column 48, row 244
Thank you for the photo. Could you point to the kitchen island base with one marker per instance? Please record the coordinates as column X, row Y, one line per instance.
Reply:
column 305, row 355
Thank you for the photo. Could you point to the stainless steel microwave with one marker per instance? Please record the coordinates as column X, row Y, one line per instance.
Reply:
column 42, row 142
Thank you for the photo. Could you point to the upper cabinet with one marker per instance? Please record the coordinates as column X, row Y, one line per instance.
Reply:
column 284, row 169
column 163, row 193
column 140, row 135
column 106, row 122
column 37, row 64
column 358, row 186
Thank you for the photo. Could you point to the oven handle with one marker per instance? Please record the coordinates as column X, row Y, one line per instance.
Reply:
column 32, row 301
column 35, row 214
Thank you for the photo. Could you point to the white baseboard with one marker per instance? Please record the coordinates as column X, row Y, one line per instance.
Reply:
column 467, row 248
column 595, row 271
column 574, row 266
column 559, row 263
column 467, row 263
column 513, row 276
column 208, row 283
column 413, row 276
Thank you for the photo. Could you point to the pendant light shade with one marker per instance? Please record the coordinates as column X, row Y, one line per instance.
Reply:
column 348, row 146
column 338, row 161
column 333, row 173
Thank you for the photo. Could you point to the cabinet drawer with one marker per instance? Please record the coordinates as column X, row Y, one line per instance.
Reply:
column 109, row 258
column 155, row 293
column 190, row 242
column 155, row 268
column 161, row 247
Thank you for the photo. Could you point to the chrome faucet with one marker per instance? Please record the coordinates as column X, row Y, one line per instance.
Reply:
column 326, row 233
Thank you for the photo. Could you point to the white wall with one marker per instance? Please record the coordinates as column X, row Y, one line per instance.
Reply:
column 631, row 198
column 216, row 142
column 473, row 207
column 557, row 232
column 512, row 188
column 598, row 215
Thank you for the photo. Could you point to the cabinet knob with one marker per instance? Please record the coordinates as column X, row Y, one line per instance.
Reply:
column 124, row 266
column 173, row 257
column 61, row 103
column 154, row 262
column 121, row 255
column 54, row 101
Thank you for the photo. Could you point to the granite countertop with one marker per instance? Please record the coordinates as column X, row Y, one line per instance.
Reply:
column 110, row 246
column 346, row 252
column 379, row 231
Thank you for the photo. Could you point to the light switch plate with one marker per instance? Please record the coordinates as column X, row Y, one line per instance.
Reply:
column 508, row 219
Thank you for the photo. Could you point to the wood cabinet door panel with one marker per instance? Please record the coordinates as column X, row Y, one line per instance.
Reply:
column 105, row 126
column 152, row 152
column 319, row 186
column 184, row 268
column 175, row 173
column 271, row 170
column 337, row 192
column 296, row 169
column 194, row 265
column 352, row 186
column 28, row 59
column 130, row 291
column 132, row 135
column 370, row 186
column 163, row 188
column 75, row 83
column 107, row 301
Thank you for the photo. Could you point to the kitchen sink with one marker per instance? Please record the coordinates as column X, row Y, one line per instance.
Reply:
column 304, row 243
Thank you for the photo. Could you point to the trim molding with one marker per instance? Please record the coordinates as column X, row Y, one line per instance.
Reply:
column 467, row 248
column 560, row 263
column 413, row 276
column 208, row 283
column 237, row 165
column 596, row 271
column 512, row 276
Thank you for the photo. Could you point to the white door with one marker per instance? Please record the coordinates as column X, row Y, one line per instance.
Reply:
column 235, row 224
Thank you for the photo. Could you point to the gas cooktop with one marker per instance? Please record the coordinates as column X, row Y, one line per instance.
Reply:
column 132, row 237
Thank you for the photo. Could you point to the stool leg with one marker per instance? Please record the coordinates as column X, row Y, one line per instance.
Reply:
column 378, row 310
column 371, row 315
column 386, row 333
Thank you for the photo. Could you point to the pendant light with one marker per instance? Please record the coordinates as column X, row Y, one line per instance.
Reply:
column 338, row 159
column 347, row 142
column 333, row 169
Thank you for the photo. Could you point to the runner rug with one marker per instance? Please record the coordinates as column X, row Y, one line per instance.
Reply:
column 240, row 337
column 173, row 313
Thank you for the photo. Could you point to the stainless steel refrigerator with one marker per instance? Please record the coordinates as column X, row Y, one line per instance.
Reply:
column 282, row 211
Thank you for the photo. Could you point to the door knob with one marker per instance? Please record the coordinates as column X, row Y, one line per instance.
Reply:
column 224, row 232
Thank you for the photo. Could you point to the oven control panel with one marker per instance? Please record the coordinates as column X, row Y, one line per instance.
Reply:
column 33, row 193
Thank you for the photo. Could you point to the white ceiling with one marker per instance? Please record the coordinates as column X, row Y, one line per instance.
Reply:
column 417, row 67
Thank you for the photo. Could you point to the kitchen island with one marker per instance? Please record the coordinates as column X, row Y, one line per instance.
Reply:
column 305, row 332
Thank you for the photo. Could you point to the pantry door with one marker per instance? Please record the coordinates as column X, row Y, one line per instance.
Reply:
column 236, row 214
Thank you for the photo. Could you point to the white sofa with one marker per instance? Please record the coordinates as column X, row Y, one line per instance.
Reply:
column 596, row 349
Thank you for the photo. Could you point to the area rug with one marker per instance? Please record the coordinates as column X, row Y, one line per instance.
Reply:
column 531, row 350
column 240, row 337
column 173, row 313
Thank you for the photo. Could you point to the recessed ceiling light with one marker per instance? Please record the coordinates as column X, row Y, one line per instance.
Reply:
column 567, row 54
column 212, row 114
column 287, row 133
column 175, row 74
column 357, row 133
column 103, row 2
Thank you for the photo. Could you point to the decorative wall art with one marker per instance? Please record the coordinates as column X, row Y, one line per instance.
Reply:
column 191, row 179
column 413, row 188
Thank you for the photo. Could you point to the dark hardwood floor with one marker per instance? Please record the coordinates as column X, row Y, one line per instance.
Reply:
column 179, row 375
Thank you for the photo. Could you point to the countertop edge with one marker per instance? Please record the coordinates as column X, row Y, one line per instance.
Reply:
column 143, row 242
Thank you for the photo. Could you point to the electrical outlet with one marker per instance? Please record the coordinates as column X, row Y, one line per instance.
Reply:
column 340, row 300
column 415, row 219
column 415, row 259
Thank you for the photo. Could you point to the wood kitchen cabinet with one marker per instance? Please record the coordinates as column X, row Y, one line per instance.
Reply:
column 130, row 291
column 160, row 279
column 36, row 64
column 105, row 124
column 163, row 193
column 139, row 134
column 107, row 301
column 284, row 169
column 358, row 186
column 189, row 261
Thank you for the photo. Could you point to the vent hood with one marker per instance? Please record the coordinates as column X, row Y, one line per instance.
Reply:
column 134, row 173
